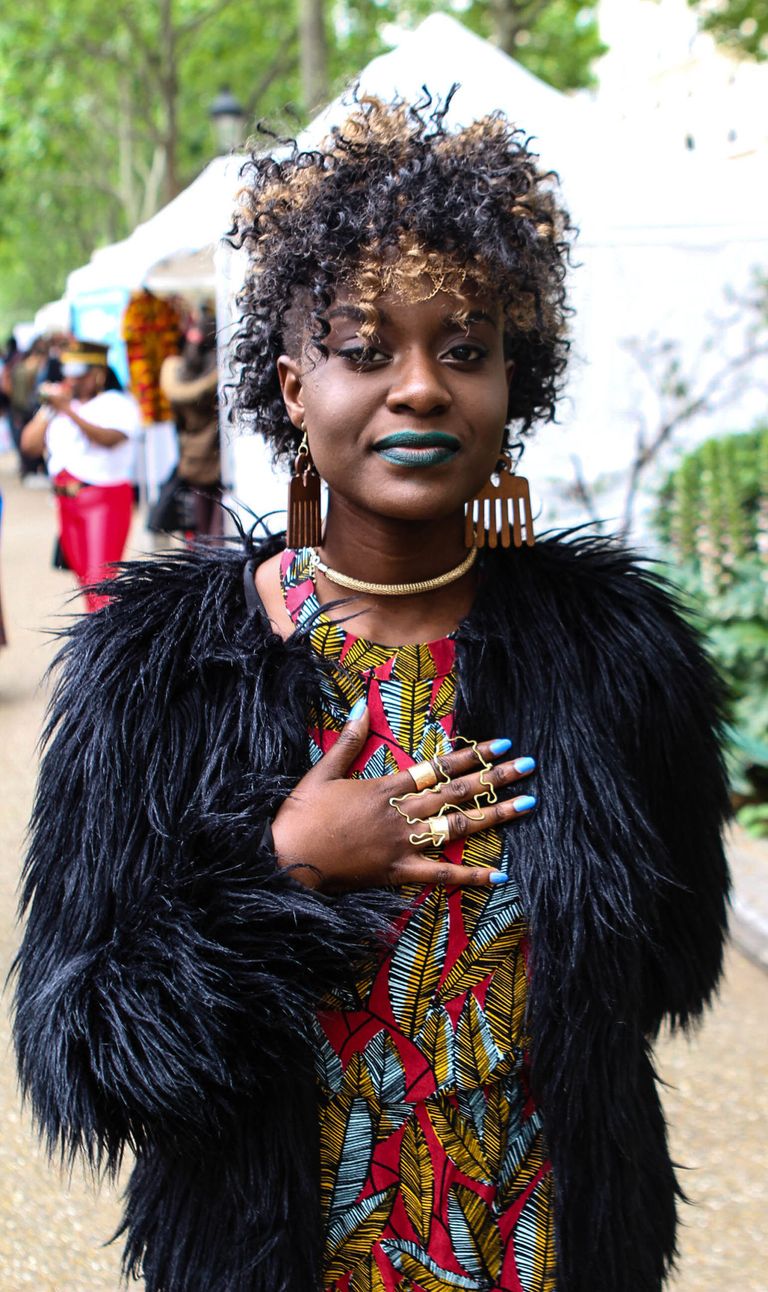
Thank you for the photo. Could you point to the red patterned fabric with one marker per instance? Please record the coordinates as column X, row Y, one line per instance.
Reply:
column 434, row 1169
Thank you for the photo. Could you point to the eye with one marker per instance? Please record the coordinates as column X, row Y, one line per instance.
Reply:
column 466, row 352
column 362, row 356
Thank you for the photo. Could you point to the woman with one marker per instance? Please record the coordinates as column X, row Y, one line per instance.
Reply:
column 191, row 498
column 86, row 425
column 371, row 1010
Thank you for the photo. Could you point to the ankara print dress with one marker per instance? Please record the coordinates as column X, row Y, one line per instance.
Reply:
column 434, row 1170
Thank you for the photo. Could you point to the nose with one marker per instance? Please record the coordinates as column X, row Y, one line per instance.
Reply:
column 418, row 385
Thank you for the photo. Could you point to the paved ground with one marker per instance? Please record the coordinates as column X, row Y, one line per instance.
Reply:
column 52, row 1234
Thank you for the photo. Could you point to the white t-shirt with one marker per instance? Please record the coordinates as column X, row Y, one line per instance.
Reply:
column 69, row 448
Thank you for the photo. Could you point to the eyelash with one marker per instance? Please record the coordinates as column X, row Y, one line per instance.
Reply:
column 361, row 356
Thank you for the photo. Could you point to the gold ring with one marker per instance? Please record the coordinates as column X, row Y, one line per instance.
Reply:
column 439, row 830
column 437, row 836
column 423, row 775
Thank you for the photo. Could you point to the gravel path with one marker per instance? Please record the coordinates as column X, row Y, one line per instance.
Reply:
column 52, row 1233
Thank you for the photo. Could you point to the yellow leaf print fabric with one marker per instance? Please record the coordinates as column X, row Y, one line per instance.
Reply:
column 434, row 1168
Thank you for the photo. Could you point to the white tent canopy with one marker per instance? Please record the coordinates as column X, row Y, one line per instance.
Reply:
column 173, row 248
column 53, row 317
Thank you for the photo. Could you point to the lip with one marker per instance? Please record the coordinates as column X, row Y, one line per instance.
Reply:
column 407, row 439
column 418, row 448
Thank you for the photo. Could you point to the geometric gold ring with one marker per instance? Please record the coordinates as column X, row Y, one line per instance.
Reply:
column 438, row 833
column 440, row 830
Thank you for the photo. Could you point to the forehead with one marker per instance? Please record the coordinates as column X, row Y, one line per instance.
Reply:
column 398, row 310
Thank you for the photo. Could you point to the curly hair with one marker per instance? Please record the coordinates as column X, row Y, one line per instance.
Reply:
column 391, row 196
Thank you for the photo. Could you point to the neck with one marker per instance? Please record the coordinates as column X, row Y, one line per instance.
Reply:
column 382, row 550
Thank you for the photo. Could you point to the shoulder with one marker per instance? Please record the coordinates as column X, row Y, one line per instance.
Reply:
column 591, row 595
column 587, row 569
column 169, row 617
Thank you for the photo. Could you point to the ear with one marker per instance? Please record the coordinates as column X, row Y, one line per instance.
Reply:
column 291, row 387
column 509, row 368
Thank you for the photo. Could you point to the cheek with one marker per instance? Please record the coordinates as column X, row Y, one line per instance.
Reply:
column 490, row 416
column 335, row 417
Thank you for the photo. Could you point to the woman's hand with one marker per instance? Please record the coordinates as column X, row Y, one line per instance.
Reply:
column 56, row 396
column 334, row 833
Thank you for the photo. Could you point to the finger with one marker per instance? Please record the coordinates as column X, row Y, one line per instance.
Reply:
column 456, row 763
column 418, row 870
column 462, row 789
column 461, row 824
column 337, row 762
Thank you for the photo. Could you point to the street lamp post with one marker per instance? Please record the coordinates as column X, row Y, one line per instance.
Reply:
column 228, row 115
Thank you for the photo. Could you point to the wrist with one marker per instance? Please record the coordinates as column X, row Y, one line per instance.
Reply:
column 304, row 874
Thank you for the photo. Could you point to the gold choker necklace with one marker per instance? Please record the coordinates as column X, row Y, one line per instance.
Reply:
column 394, row 589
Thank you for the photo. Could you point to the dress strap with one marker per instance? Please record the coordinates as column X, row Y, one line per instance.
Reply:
column 298, row 586
column 253, row 602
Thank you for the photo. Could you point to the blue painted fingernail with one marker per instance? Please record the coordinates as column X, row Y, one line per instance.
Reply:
column 498, row 877
column 500, row 747
column 523, row 765
column 357, row 710
column 524, row 803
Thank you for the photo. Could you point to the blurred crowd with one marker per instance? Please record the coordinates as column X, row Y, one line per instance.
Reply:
column 75, row 429
column 21, row 375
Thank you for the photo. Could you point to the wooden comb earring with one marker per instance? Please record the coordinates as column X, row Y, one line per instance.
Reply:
column 501, row 512
column 304, row 524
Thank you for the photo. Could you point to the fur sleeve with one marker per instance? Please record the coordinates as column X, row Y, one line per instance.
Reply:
column 166, row 959
column 657, row 707
column 673, row 741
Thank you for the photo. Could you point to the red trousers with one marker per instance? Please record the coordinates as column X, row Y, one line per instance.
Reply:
column 94, row 524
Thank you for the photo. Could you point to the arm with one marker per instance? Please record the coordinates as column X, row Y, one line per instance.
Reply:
column 627, row 847
column 102, row 435
column 167, row 962
column 178, row 391
column 32, row 441
column 657, row 705
column 675, row 753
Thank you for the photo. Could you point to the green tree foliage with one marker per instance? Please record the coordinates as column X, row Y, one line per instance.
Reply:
column 104, row 117
column 713, row 521
column 742, row 25
column 104, row 108
column 557, row 40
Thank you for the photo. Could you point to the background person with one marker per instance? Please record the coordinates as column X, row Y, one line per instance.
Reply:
column 190, row 499
column 25, row 375
column 86, row 425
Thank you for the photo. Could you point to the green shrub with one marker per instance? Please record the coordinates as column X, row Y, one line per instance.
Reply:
column 712, row 521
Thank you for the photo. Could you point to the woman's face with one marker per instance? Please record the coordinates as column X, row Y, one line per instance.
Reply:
column 409, row 425
column 90, row 384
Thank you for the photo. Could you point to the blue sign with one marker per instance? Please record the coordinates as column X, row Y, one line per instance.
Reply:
column 98, row 316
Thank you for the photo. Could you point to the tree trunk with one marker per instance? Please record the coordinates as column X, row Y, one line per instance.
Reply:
column 129, row 198
column 169, row 86
column 510, row 17
column 313, row 54
column 506, row 22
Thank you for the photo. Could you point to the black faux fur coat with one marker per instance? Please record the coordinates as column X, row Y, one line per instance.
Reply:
column 169, row 970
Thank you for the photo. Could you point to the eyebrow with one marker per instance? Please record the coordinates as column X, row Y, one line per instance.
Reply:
column 352, row 312
column 356, row 315
column 474, row 316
